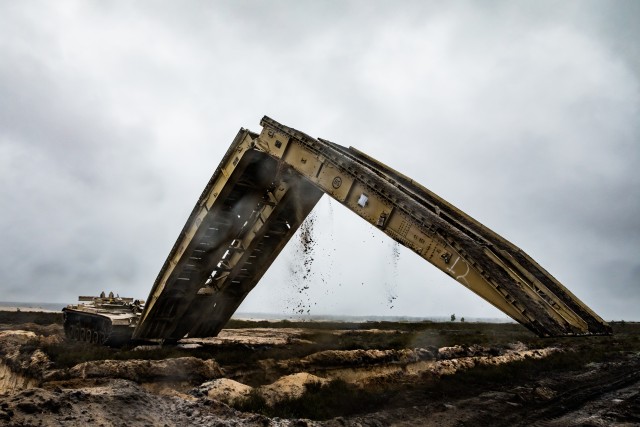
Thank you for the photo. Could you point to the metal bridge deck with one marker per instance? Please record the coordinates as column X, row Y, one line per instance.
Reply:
column 266, row 185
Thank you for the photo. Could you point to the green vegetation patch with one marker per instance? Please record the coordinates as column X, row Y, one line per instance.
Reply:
column 37, row 317
column 319, row 402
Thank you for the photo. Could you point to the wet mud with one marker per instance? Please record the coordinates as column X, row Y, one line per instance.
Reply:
column 400, row 374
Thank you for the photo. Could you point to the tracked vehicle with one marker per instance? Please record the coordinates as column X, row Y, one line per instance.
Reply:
column 266, row 185
column 108, row 320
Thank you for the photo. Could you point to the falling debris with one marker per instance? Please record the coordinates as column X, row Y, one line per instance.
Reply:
column 391, row 284
column 301, row 273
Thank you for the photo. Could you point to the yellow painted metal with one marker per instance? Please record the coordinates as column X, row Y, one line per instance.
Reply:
column 458, row 245
column 266, row 185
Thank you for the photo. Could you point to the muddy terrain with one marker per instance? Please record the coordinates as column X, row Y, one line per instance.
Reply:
column 321, row 373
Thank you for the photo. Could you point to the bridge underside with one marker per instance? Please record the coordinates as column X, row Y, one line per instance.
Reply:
column 263, row 190
column 227, row 245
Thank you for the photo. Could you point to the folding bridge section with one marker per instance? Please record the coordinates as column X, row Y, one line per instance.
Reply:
column 265, row 187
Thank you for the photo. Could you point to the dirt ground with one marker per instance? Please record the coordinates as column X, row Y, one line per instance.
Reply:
column 321, row 374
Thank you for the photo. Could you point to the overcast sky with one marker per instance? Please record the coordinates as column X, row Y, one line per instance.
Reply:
column 113, row 116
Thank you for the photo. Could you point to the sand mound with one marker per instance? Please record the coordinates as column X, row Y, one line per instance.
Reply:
column 225, row 390
column 176, row 369
column 290, row 386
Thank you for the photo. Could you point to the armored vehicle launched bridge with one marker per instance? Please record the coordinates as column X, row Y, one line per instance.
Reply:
column 267, row 184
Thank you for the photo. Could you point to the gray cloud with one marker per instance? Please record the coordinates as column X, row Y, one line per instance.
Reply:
column 114, row 115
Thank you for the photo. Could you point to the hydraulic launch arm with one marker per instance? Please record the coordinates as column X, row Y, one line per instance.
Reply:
column 265, row 187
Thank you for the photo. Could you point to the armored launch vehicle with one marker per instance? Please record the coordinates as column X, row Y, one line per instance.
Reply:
column 108, row 320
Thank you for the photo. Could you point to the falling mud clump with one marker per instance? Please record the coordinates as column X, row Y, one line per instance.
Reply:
column 300, row 271
column 307, row 246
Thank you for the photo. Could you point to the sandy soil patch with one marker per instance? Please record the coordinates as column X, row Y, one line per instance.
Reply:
column 254, row 336
column 289, row 386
